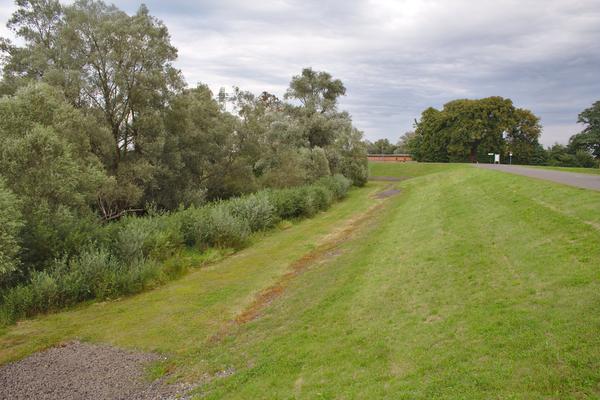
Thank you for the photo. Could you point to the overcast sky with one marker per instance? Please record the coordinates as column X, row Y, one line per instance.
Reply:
column 395, row 57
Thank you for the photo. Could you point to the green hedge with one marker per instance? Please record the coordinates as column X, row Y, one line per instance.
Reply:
column 126, row 256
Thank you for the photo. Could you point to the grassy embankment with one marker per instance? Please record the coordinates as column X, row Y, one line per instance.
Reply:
column 468, row 284
column 591, row 171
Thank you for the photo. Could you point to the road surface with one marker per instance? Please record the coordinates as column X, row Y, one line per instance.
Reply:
column 585, row 181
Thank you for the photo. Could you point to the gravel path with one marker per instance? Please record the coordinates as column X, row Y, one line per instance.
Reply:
column 83, row 371
column 585, row 181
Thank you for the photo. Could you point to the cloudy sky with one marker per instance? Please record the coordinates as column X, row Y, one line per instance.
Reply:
column 396, row 57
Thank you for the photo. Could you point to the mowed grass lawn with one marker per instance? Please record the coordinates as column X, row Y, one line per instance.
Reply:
column 591, row 171
column 469, row 284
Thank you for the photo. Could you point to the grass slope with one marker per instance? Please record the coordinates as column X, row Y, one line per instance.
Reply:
column 591, row 171
column 469, row 284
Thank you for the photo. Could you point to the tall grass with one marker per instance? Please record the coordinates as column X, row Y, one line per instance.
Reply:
column 129, row 256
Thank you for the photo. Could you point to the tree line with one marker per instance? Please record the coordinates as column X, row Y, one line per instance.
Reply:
column 467, row 130
column 96, row 124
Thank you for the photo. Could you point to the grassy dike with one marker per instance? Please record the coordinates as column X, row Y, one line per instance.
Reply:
column 590, row 171
column 470, row 283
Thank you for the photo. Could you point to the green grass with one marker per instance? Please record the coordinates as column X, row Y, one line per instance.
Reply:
column 591, row 171
column 469, row 284
column 409, row 169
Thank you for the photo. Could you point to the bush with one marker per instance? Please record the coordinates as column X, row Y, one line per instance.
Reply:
column 322, row 197
column 338, row 184
column 157, row 237
column 256, row 209
column 94, row 274
column 215, row 226
column 126, row 258
column 90, row 275
column 291, row 203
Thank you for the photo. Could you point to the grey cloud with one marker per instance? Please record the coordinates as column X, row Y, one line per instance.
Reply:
column 397, row 57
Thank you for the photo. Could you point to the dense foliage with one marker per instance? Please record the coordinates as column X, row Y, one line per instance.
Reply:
column 384, row 146
column 96, row 125
column 467, row 130
column 583, row 149
column 127, row 256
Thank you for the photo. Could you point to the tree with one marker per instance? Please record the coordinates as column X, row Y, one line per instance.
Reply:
column 46, row 160
column 381, row 146
column 38, row 23
column 405, row 143
column 468, row 129
column 522, row 137
column 11, row 223
column 431, row 137
column 115, row 66
column 348, row 155
column 589, row 138
column 202, row 155
column 126, row 65
column 318, row 93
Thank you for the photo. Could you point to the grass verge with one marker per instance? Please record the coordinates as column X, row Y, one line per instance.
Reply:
column 590, row 171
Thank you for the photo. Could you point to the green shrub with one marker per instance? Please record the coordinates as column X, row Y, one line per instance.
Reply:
column 256, row 209
column 127, row 257
column 138, row 276
column 17, row 303
column 94, row 274
column 90, row 275
column 322, row 197
column 338, row 184
column 157, row 237
column 215, row 226
column 291, row 203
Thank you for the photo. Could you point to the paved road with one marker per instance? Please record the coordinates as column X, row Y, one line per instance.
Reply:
column 585, row 181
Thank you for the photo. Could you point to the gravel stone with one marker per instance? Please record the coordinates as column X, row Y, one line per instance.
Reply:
column 76, row 370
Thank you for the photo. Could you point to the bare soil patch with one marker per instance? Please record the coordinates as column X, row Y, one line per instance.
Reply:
column 76, row 370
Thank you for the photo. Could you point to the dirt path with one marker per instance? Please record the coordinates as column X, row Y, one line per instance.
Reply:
column 83, row 371
column 585, row 181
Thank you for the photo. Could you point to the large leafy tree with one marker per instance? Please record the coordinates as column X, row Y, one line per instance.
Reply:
column 318, row 93
column 117, row 64
column 11, row 223
column 589, row 138
column 522, row 137
column 467, row 129
column 203, row 155
column 46, row 159
column 116, row 67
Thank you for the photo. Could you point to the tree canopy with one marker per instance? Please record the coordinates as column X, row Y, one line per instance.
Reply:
column 468, row 129
column 96, row 123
